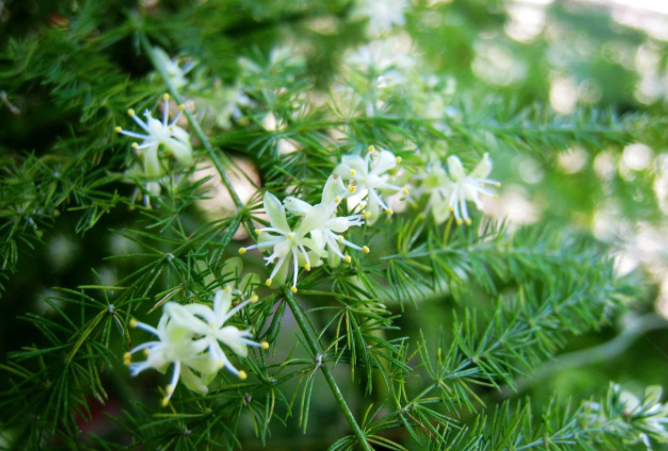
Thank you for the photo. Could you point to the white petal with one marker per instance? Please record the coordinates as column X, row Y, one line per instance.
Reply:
column 483, row 168
column 230, row 337
column 455, row 168
column 276, row 212
column 385, row 161
column 296, row 206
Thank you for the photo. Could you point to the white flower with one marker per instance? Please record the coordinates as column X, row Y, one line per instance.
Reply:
column 173, row 138
column 175, row 346
column 176, row 73
column 289, row 246
column 188, row 337
column 382, row 14
column 326, row 235
column 207, row 325
column 465, row 187
column 370, row 176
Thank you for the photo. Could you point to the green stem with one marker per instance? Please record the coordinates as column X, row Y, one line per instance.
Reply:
column 326, row 370
column 146, row 45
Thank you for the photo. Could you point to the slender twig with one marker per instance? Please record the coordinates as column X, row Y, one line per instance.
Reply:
column 604, row 352
column 302, row 321
column 197, row 129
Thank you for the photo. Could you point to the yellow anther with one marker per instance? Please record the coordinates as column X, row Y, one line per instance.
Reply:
column 133, row 323
column 337, row 199
column 220, row 363
column 371, row 148
column 451, row 208
column 127, row 358
column 406, row 191
column 165, row 401
column 171, row 128
column 242, row 375
column 135, row 145
column 422, row 216
column 165, row 96
column 265, row 345
column 468, row 222
column 242, row 250
column 367, row 215
column 291, row 235
column 293, row 289
column 389, row 212
column 118, row 129
column 498, row 185
column 182, row 107
column 307, row 267
column 340, row 238
column 399, row 160
column 147, row 352
column 353, row 172
column 348, row 259
column 459, row 222
column 228, row 290
column 131, row 112
column 366, row 249
column 268, row 282
column 254, row 299
column 169, row 389
column 352, row 188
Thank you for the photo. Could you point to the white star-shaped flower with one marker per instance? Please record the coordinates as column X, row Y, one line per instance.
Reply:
column 291, row 247
column 465, row 187
column 208, row 326
column 370, row 176
column 165, row 134
column 327, row 234
column 174, row 346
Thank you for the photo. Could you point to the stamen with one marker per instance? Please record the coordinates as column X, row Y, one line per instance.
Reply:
column 347, row 259
column 367, row 215
column 371, row 148
column 242, row 250
column 307, row 267
column 131, row 112
column 265, row 345
column 352, row 188
column 228, row 290
column 389, row 212
column 337, row 199
column 340, row 238
column 258, row 232
column 293, row 289
column 406, row 191
column 353, row 172
column 268, row 282
column 242, row 375
column 118, row 129
column 399, row 160
column 366, row 249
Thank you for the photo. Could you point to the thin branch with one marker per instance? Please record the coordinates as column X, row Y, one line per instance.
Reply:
column 315, row 348
column 146, row 45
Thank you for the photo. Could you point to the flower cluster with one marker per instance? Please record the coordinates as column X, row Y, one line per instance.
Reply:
column 317, row 234
column 189, row 337
column 160, row 140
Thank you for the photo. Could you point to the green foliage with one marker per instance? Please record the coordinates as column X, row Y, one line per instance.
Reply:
column 417, row 341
